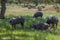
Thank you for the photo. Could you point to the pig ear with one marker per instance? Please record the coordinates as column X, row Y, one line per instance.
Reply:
column 19, row 16
column 14, row 18
column 45, row 23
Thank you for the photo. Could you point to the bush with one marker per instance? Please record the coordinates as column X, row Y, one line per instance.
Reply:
column 57, row 7
column 39, row 8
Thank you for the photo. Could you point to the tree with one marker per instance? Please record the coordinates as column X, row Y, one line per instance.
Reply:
column 58, row 1
column 3, row 9
column 36, row 2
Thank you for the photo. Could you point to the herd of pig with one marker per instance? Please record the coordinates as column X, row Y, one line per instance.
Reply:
column 53, row 20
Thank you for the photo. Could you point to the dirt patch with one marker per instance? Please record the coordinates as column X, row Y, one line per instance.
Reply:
column 49, row 8
column 22, row 10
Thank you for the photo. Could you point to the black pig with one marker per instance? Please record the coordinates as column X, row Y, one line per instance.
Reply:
column 38, row 14
column 52, row 20
column 17, row 20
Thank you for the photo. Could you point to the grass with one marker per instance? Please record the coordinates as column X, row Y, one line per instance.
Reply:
column 6, row 32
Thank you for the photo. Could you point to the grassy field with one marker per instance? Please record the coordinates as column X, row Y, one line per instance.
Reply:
column 6, row 32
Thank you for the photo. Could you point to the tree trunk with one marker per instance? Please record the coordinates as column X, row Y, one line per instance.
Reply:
column 36, row 2
column 3, row 9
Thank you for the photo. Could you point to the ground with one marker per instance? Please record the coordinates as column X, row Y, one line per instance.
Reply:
column 6, row 33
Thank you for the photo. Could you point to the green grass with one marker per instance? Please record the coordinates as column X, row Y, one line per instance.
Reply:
column 6, row 32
